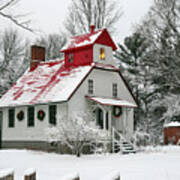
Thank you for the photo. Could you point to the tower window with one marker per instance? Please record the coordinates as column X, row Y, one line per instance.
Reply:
column 102, row 54
column 114, row 90
column 90, row 86
column 70, row 58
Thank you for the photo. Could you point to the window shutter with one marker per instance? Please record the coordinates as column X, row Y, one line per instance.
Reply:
column 11, row 115
column 30, row 116
column 52, row 114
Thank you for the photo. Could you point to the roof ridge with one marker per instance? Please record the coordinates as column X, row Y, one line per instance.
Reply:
column 88, row 33
column 51, row 61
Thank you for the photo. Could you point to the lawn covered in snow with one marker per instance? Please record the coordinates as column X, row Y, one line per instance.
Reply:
column 160, row 163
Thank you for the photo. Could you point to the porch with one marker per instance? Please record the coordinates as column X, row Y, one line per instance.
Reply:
column 115, row 116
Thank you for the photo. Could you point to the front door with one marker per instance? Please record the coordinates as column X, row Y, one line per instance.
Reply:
column 107, row 120
column 1, row 128
column 99, row 117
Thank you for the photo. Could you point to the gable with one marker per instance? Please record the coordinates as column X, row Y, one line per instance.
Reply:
column 104, row 76
column 105, row 39
column 109, row 76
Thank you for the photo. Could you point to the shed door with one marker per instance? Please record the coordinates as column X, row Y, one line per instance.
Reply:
column 1, row 116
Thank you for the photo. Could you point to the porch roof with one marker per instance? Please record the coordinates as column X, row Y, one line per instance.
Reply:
column 111, row 102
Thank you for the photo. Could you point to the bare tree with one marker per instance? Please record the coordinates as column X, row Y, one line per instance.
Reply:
column 6, row 7
column 13, row 58
column 53, row 44
column 83, row 13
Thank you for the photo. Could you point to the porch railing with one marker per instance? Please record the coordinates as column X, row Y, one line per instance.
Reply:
column 118, row 138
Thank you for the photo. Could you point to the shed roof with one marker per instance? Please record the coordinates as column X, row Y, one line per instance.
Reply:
column 172, row 124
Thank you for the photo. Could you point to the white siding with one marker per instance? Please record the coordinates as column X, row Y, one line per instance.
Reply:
column 108, row 54
column 21, row 132
column 62, row 110
column 103, row 87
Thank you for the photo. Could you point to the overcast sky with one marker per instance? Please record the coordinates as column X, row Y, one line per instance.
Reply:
column 49, row 15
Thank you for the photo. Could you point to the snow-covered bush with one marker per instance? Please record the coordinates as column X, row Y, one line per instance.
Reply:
column 142, row 139
column 173, row 108
column 76, row 131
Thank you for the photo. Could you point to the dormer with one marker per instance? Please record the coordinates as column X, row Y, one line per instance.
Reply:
column 95, row 46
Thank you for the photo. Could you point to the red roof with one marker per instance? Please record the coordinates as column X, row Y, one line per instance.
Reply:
column 99, row 36
column 49, row 82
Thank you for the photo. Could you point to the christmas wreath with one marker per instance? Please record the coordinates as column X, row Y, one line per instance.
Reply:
column 117, row 111
column 41, row 115
column 20, row 115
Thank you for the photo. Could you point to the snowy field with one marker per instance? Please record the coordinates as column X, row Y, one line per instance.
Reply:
column 160, row 163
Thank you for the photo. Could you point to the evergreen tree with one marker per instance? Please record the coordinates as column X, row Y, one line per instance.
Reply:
column 131, row 57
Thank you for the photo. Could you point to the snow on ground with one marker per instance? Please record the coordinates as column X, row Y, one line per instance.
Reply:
column 161, row 163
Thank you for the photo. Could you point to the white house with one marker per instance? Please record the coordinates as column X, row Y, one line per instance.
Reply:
column 47, row 90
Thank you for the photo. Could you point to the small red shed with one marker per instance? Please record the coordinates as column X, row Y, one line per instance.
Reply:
column 172, row 133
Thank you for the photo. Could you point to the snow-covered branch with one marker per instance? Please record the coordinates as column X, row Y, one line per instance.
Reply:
column 76, row 131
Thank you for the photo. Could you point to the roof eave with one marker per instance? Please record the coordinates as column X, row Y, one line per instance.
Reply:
column 35, row 104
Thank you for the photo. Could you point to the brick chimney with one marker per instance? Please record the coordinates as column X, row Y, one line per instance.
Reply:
column 92, row 28
column 37, row 56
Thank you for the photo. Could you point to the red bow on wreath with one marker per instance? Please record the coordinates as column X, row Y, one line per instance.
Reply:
column 41, row 115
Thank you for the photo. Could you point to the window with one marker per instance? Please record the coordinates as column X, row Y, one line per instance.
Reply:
column 114, row 90
column 30, row 116
column 102, row 54
column 52, row 114
column 11, row 115
column 70, row 57
column 90, row 86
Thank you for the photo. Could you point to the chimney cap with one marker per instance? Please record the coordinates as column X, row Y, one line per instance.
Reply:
column 37, row 46
column 92, row 28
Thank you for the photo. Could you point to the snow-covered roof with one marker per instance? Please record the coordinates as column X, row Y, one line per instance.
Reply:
column 52, row 82
column 49, row 82
column 111, row 102
column 82, row 40
column 172, row 124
